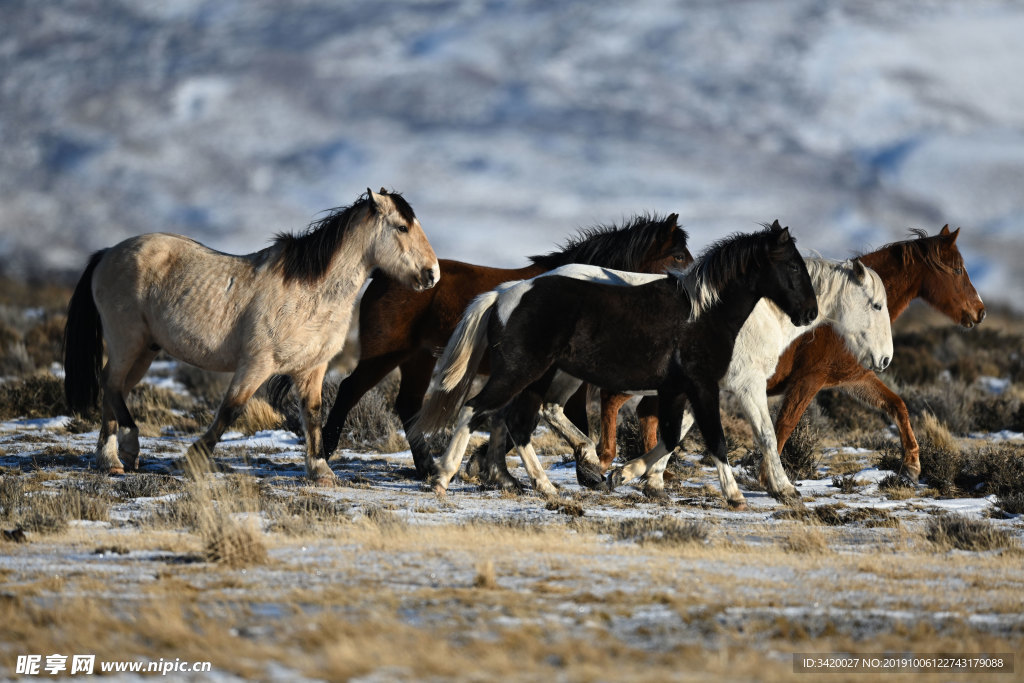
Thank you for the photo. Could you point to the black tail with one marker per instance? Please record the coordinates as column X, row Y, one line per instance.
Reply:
column 83, row 344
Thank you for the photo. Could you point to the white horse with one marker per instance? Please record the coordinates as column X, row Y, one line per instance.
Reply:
column 850, row 296
column 285, row 309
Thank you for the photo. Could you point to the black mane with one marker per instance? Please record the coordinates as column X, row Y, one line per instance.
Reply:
column 307, row 256
column 728, row 259
column 620, row 248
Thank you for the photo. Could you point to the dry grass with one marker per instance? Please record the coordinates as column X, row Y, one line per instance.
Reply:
column 258, row 416
column 964, row 533
column 807, row 540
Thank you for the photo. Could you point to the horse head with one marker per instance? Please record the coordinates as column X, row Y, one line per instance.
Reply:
column 786, row 281
column 860, row 314
column 668, row 250
column 401, row 248
column 947, row 286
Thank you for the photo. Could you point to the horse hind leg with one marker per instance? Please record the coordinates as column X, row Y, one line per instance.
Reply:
column 128, row 439
column 448, row 466
column 589, row 472
column 119, row 435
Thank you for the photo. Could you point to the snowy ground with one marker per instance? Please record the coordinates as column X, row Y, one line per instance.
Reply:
column 439, row 576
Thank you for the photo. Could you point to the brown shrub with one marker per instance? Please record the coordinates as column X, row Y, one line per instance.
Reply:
column 39, row 395
column 802, row 453
column 963, row 533
column 45, row 341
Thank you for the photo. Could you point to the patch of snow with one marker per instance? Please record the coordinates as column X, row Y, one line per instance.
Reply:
column 994, row 385
column 39, row 424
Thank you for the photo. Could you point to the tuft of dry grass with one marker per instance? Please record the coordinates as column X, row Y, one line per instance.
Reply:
column 38, row 395
column 934, row 431
column 485, row 576
column 963, row 533
column 258, row 416
column 802, row 453
column 808, row 540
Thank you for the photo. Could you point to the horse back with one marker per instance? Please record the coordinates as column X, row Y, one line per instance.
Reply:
column 173, row 292
column 394, row 317
column 613, row 336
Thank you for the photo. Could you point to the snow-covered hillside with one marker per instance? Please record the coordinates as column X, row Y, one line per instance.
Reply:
column 508, row 125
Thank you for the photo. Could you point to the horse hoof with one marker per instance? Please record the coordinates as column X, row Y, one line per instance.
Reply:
column 737, row 505
column 911, row 477
column 656, row 494
column 115, row 471
column 325, row 481
column 589, row 474
column 613, row 480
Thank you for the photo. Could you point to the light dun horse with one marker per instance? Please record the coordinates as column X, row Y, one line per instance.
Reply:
column 674, row 335
column 850, row 297
column 284, row 309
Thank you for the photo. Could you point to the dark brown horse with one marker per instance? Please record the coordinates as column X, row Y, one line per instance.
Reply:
column 927, row 267
column 403, row 329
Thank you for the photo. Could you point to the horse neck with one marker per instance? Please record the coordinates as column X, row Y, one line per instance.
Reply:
column 351, row 265
column 735, row 304
column 902, row 282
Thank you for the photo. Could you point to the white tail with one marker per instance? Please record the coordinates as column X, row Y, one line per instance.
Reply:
column 455, row 371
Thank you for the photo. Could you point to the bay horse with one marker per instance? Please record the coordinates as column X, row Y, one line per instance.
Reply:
column 851, row 298
column 674, row 335
column 283, row 309
column 930, row 267
column 404, row 329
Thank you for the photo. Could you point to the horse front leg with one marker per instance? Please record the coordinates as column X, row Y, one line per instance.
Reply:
column 309, row 387
column 753, row 399
column 611, row 404
column 413, row 387
column 244, row 383
column 706, row 410
column 653, row 463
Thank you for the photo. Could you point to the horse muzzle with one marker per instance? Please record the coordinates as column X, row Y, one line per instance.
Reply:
column 428, row 277
column 806, row 315
column 969, row 319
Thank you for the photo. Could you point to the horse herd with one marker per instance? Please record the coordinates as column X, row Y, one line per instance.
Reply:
column 626, row 309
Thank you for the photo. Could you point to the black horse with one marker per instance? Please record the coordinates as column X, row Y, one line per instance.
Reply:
column 674, row 336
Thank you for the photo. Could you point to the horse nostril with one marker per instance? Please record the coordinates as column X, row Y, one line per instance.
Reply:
column 981, row 315
column 885, row 362
column 427, row 277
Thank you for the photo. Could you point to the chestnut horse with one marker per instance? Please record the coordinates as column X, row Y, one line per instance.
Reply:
column 403, row 329
column 283, row 309
column 927, row 267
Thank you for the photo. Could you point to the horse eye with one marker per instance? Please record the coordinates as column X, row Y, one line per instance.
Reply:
column 877, row 307
column 958, row 271
column 679, row 258
column 402, row 227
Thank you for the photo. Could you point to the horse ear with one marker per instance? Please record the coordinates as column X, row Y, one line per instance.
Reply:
column 945, row 229
column 951, row 239
column 858, row 270
column 673, row 220
column 374, row 199
column 383, row 190
column 784, row 235
column 775, row 225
